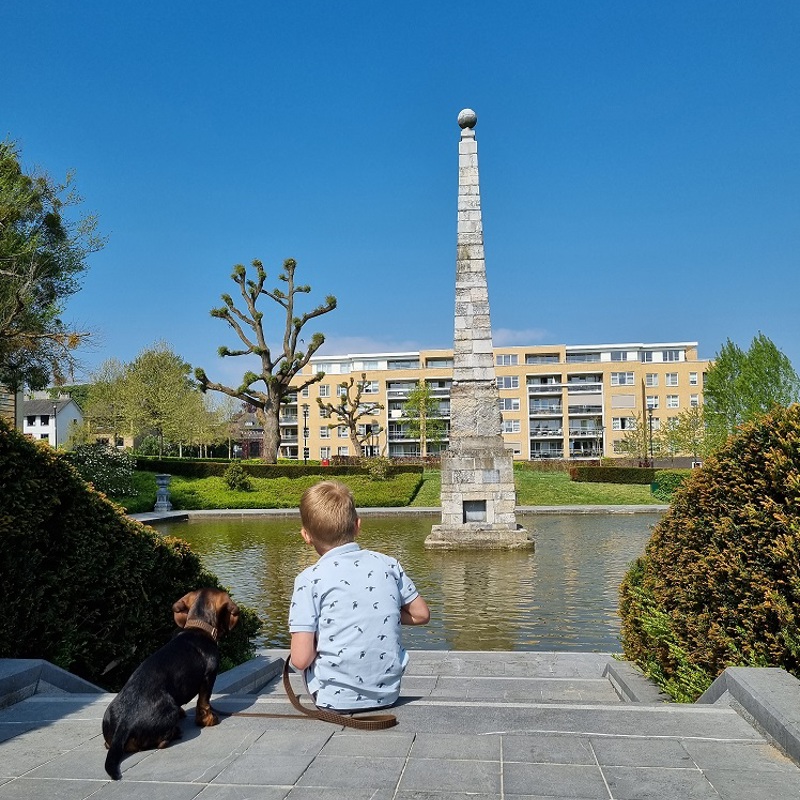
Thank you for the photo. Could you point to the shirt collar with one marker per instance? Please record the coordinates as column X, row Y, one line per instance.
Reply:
column 348, row 547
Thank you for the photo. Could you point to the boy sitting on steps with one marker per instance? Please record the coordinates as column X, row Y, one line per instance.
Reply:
column 347, row 609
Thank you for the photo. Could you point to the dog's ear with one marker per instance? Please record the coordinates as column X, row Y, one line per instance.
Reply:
column 180, row 610
column 233, row 613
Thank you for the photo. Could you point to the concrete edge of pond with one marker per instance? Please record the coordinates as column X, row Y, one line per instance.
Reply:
column 149, row 517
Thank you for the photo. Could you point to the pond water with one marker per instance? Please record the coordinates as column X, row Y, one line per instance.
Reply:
column 562, row 596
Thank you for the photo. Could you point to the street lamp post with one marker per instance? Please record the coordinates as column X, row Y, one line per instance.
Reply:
column 55, row 426
column 650, row 429
column 305, row 433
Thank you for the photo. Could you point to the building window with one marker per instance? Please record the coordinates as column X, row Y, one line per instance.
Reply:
column 439, row 363
column 508, row 382
column 622, row 423
column 369, row 387
column 622, row 379
column 671, row 355
column 31, row 420
column 342, row 432
column 324, row 432
column 646, row 356
column 506, row 359
column 44, row 419
column 673, row 401
column 324, row 390
column 692, row 379
column 541, row 358
column 344, row 450
column 324, row 452
column 651, row 379
column 652, row 401
column 619, row 355
column 304, row 392
column 582, row 358
column 44, row 436
column 511, row 426
column 405, row 363
column 509, row 404
column 694, row 400
column 671, row 379
column 324, row 413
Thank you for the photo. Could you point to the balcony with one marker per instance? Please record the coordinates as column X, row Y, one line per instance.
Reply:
column 547, row 432
column 585, row 409
column 551, row 410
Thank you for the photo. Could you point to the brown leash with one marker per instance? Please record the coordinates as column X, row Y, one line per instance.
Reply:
column 368, row 722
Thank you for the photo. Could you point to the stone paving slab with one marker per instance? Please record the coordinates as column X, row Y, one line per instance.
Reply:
column 444, row 748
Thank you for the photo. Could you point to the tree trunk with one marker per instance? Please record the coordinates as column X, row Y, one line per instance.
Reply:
column 272, row 434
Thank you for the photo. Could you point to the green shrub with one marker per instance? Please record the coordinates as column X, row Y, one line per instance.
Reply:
column 667, row 481
column 719, row 583
column 630, row 475
column 84, row 586
column 236, row 478
column 110, row 471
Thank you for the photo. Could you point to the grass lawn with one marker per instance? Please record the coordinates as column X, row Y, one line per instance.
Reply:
column 533, row 489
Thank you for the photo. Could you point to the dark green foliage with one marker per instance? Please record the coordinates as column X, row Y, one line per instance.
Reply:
column 667, row 481
column 208, row 468
column 109, row 471
column 719, row 583
column 236, row 479
column 82, row 585
column 634, row 475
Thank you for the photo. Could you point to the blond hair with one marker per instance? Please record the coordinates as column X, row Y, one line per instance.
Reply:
column 328, row 513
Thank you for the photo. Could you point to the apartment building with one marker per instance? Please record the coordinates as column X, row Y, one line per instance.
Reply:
column 557, row 401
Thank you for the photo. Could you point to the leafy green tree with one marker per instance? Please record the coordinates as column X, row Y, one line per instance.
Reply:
column 43, row 254
column 686, row 433
column 105, row 405
column 743, row 385
column 351, row 410
column 160, row 396
column 639, row 440
column 423, row 417
column 276, row 370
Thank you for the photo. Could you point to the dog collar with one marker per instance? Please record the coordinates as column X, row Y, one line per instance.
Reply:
column 203, row 626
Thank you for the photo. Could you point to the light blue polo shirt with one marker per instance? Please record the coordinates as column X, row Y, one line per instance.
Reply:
column 351, row 599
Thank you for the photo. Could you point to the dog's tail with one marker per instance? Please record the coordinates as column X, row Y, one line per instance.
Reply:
column 116, row 752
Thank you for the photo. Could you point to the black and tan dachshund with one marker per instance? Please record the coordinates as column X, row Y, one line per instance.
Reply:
column 146, row 712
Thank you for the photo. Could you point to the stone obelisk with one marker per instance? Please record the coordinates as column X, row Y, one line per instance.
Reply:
column 478, row 495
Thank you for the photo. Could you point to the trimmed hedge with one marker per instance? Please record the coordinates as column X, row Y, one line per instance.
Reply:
column 84, row 586
column 636, row 475
column 208, row 468
column 719, row 582
column 667, row 481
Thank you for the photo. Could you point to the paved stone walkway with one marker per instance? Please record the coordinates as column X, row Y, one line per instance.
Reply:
column 472, row 726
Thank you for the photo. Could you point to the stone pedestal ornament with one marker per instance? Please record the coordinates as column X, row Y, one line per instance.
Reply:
column 162, row 493
column 478, row 495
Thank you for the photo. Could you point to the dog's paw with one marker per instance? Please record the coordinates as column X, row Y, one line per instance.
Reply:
column 205, row 718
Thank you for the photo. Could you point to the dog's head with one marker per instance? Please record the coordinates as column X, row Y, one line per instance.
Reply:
column 211, row 606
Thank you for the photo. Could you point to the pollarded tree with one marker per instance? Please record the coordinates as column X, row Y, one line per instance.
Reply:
column 351, row 410
column 42, row 256
column 276, row 370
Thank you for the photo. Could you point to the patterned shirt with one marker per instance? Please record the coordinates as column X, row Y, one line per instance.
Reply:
column 351, row 599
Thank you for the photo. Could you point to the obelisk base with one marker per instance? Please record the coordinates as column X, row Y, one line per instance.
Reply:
column 476, row 535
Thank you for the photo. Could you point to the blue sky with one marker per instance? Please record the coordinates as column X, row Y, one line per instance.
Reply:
column 640, row 164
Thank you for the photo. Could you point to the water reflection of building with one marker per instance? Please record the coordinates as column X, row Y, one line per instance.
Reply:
column 484, row 596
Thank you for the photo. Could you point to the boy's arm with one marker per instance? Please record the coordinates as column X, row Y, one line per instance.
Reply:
column 303, row 649
column 415, row 613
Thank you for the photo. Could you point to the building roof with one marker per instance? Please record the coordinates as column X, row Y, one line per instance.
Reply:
column 32, row 408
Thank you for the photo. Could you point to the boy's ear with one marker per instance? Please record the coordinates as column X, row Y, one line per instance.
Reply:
column 306, row 537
